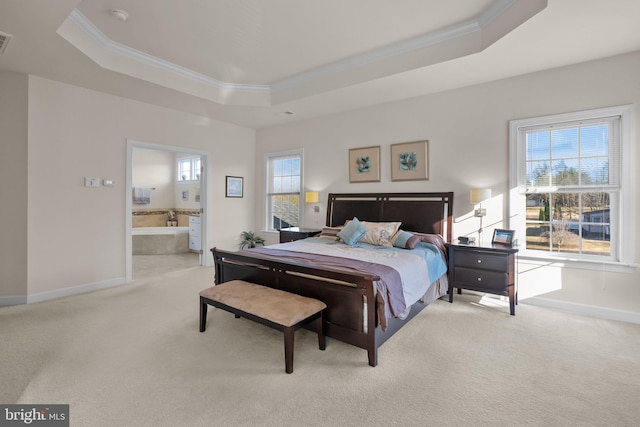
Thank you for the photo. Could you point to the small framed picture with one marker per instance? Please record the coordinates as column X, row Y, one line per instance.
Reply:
column 364, row 164
column 234, row 186
column 410, row 161
column 503, row 237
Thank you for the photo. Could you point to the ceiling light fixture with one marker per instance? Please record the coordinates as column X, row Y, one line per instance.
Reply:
column 120, row 14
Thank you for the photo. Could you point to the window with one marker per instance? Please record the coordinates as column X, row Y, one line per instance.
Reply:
column 284, row 184
column 188, row 169
column 570, row 187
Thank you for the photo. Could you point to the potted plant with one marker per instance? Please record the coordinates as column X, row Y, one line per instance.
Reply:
column 250, row 240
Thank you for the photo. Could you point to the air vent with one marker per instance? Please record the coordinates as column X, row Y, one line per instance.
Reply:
column 4, row 41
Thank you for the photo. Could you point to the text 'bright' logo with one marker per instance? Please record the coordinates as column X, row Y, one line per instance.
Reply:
column 44, row 415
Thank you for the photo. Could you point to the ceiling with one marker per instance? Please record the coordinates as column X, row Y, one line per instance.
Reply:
column 255, row 62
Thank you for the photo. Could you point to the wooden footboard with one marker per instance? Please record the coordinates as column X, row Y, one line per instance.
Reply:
column 350, row 297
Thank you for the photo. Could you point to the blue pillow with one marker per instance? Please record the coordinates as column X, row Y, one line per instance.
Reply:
column 400, row 239
column 405, row 240
column 352, row 232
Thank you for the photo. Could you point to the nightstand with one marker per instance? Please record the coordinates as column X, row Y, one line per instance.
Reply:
column 484, row 268
column 296, row 233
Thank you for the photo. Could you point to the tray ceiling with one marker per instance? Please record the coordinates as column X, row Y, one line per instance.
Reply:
column 253, row 62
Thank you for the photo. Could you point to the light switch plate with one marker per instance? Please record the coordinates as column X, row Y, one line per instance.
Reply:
column 91, row 181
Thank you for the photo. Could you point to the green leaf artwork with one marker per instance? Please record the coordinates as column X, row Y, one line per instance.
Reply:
column 363, row 164
column 408, row 161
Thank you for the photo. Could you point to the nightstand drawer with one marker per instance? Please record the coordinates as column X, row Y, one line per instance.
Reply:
column 481, row 279
column 481, row 260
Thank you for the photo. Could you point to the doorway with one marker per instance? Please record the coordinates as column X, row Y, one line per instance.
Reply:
column 165, row 216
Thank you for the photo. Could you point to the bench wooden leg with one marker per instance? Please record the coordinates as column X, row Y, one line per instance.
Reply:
column 288, row 349
column 203, row 315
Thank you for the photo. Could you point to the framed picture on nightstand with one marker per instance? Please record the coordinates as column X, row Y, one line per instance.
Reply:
column 503, row 237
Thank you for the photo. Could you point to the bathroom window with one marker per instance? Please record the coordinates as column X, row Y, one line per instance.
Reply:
column 188, row 169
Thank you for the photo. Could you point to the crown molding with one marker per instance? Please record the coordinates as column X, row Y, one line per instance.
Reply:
column 403, row 56
column 83, row 23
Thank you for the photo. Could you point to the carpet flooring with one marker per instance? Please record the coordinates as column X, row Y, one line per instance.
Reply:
column 132, row 356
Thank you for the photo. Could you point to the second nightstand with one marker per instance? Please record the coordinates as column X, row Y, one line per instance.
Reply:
column 296, row 233
column 484, row 268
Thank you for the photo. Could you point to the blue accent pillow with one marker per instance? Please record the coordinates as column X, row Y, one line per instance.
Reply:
column 352, row 232
column 405, row 240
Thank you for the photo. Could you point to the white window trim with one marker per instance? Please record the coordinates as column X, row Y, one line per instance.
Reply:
column 267, row 156
column 624, row 221
column 191, row 160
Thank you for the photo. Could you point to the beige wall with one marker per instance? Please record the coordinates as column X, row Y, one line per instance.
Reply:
column 77, row 234
column 467, row 131
column 73, row 236
column 13, row 184
column 154, row 169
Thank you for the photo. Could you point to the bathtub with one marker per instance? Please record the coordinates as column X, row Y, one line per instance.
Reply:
column 159, row 240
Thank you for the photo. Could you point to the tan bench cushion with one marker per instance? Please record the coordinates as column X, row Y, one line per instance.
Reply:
column 278, row 306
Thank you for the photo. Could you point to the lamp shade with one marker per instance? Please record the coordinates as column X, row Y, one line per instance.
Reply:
column 479, row 194
column 311, row 197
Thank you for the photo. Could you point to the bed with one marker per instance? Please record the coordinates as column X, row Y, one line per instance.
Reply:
column 360, row 310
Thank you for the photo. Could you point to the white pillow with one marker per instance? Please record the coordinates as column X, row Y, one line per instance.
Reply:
column 379, row 233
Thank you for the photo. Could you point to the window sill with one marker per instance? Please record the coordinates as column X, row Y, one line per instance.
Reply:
column 565, row 262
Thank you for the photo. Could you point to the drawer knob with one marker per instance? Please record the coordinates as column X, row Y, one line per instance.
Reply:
column 479, row 279
column 479, row 261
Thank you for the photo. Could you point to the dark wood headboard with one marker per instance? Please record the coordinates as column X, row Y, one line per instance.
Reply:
column 419, row 212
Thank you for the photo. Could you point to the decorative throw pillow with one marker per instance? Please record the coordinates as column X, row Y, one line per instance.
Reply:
column 434, row 239
column 405, row 240
column 352, row 232
column 380, row 233
column 330, row 233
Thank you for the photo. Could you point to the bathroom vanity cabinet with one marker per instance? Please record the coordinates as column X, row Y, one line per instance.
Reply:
column 195, row 241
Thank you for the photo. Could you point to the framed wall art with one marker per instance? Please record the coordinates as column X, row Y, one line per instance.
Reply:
column 410, row 161
column 234, row 186
column 364, row 164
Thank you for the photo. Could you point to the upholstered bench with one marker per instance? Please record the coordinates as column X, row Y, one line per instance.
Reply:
column 277, row 309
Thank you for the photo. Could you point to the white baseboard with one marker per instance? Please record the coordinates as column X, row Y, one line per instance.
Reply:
column 73, row 290
column 584, row 310
column 59, row 293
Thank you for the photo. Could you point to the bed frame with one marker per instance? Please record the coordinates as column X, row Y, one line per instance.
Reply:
column 351, row 308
